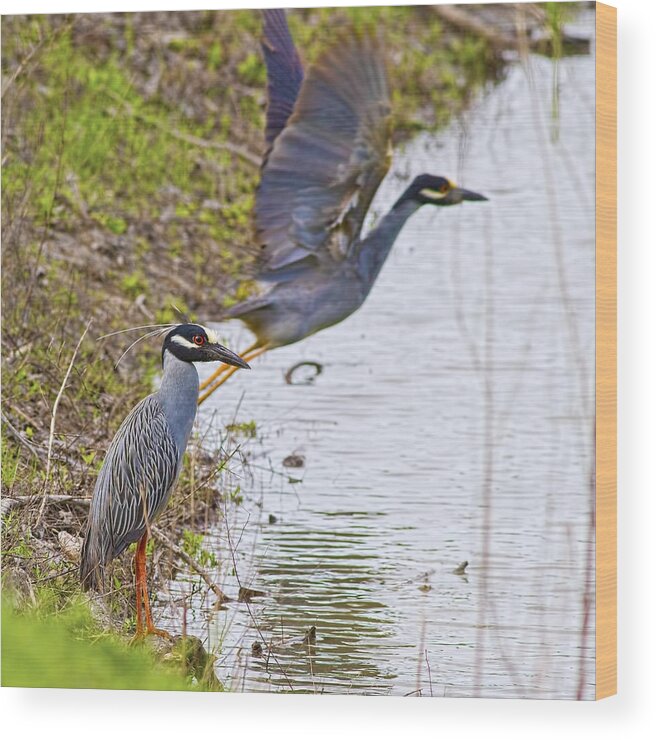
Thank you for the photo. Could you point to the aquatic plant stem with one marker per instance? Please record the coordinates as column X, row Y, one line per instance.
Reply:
column 53, row 418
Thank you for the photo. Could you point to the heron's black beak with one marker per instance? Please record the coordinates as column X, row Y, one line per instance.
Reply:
column 460, row 194
column 226, row 355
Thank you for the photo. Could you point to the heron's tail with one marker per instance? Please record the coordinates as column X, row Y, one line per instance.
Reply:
column 92, row 567
column 246, row 307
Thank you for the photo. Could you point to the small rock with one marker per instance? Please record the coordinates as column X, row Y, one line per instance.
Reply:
column 425, row 587
column 70, row 545
column 294, row 461
column 272, row 518
column 7, row 504
column 102, row 614
column 246, row 594
column 66, row 517
column 197, row 661
column 160, row 644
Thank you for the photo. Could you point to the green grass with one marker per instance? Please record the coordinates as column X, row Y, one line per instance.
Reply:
column 66, row 651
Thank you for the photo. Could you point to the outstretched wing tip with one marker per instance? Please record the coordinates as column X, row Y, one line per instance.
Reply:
column 326, row 165
column 284, row 72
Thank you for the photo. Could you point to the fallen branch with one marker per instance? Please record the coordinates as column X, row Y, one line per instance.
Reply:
column 466, row 21
column 196, row 567
column 9, row 503
column 538, row 37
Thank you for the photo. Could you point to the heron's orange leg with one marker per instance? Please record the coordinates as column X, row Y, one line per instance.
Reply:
column 139, row 576
column 249, row 355
column 223, row 368
column 142, row 593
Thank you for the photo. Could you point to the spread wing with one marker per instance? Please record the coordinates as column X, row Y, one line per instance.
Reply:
column 325, row 166
column 134, row 483
column 284, row 72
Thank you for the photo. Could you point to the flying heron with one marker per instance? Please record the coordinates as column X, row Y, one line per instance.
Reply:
column 329, row 147
column 144, row 460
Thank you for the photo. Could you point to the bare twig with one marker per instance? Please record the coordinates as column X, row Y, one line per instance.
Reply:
column 578, row 360
column 488, row 460
column 430, row 678
column 19, row 437
column 588, row 583
column 61, row 574
column 19, row 69
column 239, row 151
column 54, row 417
column 196, row 567
column 38, row 450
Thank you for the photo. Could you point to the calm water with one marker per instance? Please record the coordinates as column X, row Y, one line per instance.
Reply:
column 453, row 421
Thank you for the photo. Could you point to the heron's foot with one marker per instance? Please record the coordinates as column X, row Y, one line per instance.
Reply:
column 152, row 630
column 139, row 637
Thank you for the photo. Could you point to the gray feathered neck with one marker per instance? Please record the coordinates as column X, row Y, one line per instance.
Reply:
column 374, row 250
column 178, row 396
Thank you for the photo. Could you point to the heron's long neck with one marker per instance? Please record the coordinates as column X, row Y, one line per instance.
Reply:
column 375, row 248
column 178, row 395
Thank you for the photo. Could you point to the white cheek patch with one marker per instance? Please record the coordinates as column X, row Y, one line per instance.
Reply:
column 183, row 342
column 432, row 194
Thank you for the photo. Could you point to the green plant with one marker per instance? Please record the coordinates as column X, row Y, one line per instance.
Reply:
column 192, row 544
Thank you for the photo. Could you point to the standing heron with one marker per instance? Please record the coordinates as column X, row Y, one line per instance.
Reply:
column 329, row 148
column 144, row 460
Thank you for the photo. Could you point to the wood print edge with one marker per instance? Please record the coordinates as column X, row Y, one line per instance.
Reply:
column 606, row 351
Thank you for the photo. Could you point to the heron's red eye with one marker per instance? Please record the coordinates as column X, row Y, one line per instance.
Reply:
column 199, row 340
column 444, row 187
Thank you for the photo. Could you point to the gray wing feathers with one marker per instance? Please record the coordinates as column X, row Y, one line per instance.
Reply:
column 326, row 165
column 284, row 72
column 134, row 484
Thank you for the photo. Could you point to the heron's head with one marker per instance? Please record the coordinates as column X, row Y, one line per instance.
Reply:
column 196, row 343
column 437, row 191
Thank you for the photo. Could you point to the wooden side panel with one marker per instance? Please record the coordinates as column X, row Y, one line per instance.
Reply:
column 606, row 350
